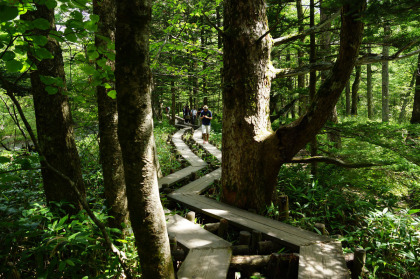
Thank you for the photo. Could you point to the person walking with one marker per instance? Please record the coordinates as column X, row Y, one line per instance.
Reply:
column 193, row 116
column 206, row 117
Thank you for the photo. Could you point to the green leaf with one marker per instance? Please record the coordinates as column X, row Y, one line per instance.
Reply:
column 40, row 40
column 51, row 4
column 47, row 80
column 88, row 69
column 70, row 262
column 107, row 86
column 71, row 36
column 41, row 23
column 413, row 211
column 8, row 12
column 8, row 55
column 93, row 55
column 14, row 66
column 43, row 53
column 62, row 266
column 112, row 94
column 51, row 90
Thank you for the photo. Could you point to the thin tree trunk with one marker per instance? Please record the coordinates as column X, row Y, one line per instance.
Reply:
column 333, row 136
column 301, row 53
column 355, row 90
column 174, row 108
column 109, row 146
column 369, row 88
column 53, row 119
column 406, row 97
column 385, row 77
column 312, row 81
column 415, row 116
column 135, row 132
column 348, row 99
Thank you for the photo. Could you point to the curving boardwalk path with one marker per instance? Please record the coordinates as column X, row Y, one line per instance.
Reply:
column 209, row 256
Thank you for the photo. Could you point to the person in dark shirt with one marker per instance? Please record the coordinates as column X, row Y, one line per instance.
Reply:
column 206, row 117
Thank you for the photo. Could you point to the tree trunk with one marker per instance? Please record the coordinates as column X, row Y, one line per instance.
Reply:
column 252, row 153
column 385, row 77
column 355, row 90
column 173, row 109
column 369, row 88
column 53, row 118
column 415, row 117
column 406, row 96
column 135, row 132
column 109, row 146
column 312, row 81
column 348, row 99
column 301, row 53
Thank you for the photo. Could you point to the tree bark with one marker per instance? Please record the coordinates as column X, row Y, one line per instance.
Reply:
column 173, row 108
column 109, row 146
column 301, row 78
column 415, row 116
column 406, row 97
column 355, row 90
column 369, row 88
column 312, row 80
column 135, row 133
column 252, row 153
column 385, row 77
column 53, row 119
column 348, row 99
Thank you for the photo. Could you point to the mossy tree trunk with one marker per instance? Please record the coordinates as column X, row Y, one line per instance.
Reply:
column 252, row 152
column 53, row 117
column 135, row 133
column 109, row 146
column 355, row 90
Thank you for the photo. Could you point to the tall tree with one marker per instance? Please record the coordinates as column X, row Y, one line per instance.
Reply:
column 252, row 152
column 355, row 90
column 369, row 88
column 385, row 76
column 415, row 116
column 109, row 146
column 135, row 133
column 53, row 115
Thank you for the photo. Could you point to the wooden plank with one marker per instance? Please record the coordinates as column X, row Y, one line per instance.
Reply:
column 205, row 264
column 185, row 151
column 191, row 235
column 322, row 260
column 287, row 235
column 202, row 184
column 178, row 176
column 210, row 148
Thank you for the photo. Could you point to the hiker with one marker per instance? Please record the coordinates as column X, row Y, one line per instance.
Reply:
column 187, row 114
column 193, row 116
column 206, row 117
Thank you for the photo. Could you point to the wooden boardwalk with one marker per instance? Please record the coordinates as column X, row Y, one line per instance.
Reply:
column 319, row 256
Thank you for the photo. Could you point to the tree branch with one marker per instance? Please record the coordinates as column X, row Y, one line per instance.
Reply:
column 290, row 38
column 323, row 66
column 337, row 162
column 213, row 25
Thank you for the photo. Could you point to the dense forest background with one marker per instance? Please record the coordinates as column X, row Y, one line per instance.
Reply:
column 360, row 175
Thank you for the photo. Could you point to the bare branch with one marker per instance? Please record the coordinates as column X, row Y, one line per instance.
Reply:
column 213, row 25
column 338, row 162
column 323, row 66
column 290, row 38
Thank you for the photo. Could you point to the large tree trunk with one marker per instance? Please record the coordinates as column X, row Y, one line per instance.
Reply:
column 385, row 77
column 355, row 90
column 53, row 119
column 312, row 80
column 415, row 117
column 252, row 153
column 109, row 146
column 135, row 132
